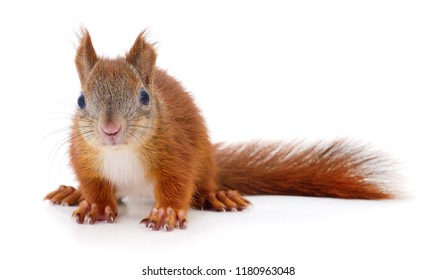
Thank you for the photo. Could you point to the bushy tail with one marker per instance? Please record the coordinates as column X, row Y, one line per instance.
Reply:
column 340, row 169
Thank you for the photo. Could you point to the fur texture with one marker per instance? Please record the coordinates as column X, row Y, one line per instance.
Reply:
column 339, row 169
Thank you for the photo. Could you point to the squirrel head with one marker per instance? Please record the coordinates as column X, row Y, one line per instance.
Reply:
column 117, row 105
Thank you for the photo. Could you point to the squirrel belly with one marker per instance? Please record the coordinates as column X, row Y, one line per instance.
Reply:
column 137, row 131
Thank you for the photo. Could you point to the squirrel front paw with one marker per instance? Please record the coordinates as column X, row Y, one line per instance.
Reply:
column 166, row 217
column 91, row 213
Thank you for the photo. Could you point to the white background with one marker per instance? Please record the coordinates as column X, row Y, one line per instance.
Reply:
column 258, row 69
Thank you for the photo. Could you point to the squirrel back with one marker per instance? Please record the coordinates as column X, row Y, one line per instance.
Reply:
column 137, row 130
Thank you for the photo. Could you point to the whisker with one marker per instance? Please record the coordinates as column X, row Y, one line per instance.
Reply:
column 138, row 139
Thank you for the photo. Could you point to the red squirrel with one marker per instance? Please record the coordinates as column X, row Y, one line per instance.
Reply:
column 136, row 130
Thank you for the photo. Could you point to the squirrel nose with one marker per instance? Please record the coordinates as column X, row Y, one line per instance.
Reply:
column 111, row 129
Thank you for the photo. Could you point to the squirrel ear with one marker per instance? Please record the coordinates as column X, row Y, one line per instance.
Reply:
column 143, row 57
column 86, row 57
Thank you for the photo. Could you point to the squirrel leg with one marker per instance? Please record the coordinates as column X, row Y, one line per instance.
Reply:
column 99, row 204
column 65, row 196
column 171, row 207
column 220, row 200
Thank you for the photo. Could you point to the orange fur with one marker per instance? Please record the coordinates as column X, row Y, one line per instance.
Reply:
column 168, row 138
column 338, row 169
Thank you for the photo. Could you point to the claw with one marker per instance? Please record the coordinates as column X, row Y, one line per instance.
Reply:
column 146, row 222
column 151, row 225
column 110, row 216
column 89, row 219
column 168, row 228
column 183, row 225
column 77, row 218
column 110, row 219
column 170, row 219
column 160, row 218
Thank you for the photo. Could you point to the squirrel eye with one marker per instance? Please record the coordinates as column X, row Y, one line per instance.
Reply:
column 144, row 97
column 81, row 101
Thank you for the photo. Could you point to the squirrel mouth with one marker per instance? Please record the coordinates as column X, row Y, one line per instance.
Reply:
column 111, row 133
column 112, row 140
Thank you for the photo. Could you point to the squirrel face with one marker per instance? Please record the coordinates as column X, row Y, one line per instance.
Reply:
column 116, row 106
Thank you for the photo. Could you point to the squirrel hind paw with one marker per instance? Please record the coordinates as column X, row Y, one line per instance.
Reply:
column 65, row 196
column 224, row 200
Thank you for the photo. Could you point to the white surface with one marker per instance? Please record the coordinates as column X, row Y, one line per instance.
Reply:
column 258, row 69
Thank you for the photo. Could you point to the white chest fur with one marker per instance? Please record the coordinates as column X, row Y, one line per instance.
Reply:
column 124, row 169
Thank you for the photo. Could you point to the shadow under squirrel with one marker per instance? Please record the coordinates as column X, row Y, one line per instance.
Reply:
column 137, row 130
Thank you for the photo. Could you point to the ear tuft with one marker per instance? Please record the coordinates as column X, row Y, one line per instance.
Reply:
column 86, row 58
column 143, row 57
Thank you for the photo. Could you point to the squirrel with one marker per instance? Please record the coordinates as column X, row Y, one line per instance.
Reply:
column 136, row 130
